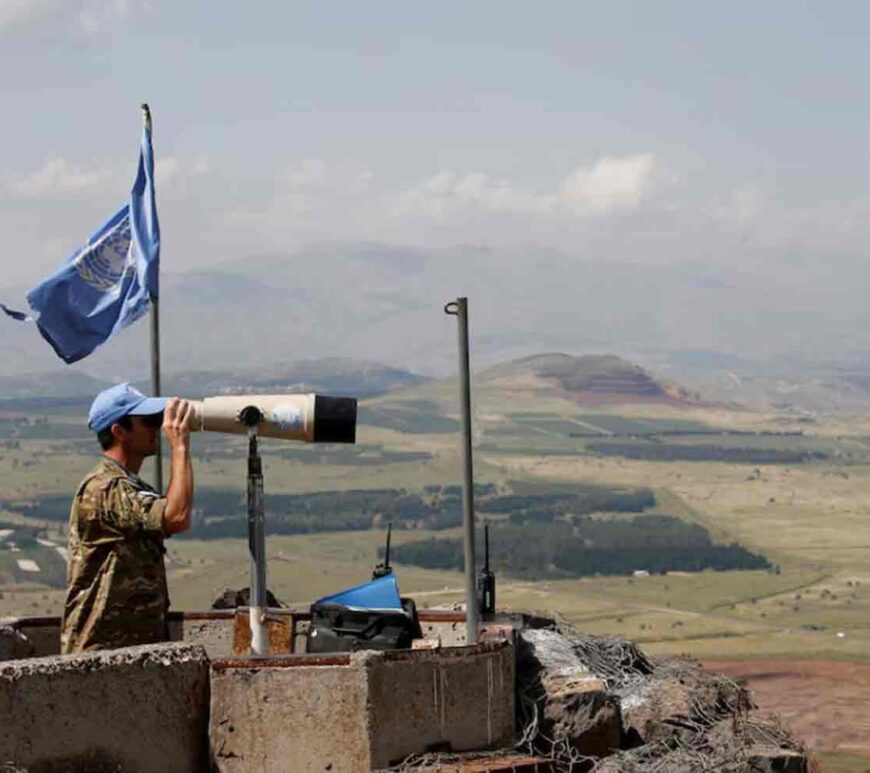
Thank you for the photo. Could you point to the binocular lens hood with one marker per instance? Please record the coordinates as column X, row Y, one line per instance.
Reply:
column 334, row 419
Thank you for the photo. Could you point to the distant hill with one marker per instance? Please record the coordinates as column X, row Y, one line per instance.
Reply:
column 340, row 376
column 332, row 375
column 589, row 379
column 57, row 385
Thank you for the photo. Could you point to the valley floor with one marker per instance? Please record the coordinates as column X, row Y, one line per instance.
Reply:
column 823, row 702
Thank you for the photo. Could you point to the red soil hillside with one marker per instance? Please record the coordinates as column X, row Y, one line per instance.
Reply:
column 590, row 379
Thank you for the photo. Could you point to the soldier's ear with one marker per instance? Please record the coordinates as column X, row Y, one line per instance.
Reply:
column 118, row 432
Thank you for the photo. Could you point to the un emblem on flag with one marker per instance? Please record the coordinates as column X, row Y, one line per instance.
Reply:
column 103, row 263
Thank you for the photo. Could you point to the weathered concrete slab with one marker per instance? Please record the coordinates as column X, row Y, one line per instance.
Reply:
column 138, row 709
column 359, row 712
column 212, row 630
column 294, row 715
column 455, row 698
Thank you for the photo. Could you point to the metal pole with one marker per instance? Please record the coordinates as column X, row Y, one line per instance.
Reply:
column 155, row 387
column 459, row 309
column 257, row 607
column 155, row 349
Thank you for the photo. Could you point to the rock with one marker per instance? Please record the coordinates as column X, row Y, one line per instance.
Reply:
column 574, row 707
column 549, row 651
column 673, row 702
column 653, row 711
column 602, row 700
column 774, row 759
column 766, row 746
column 582, row 716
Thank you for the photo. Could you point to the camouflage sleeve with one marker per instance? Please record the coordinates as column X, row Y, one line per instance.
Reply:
column 127, row 508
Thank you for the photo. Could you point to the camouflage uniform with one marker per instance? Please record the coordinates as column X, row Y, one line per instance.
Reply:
column 117, row 594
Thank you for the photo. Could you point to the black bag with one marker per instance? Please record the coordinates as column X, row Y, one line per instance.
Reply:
column 335, row 628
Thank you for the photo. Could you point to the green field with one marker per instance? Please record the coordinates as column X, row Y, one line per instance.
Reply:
column 805, row 518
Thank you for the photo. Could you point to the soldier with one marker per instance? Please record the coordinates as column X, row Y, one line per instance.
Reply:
column 117, row 594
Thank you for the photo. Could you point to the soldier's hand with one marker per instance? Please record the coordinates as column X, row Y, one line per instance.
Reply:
column 176, row 422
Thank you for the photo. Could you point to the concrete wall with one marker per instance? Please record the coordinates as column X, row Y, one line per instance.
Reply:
column 215, row 630
column 350, row 713
column 293, row 716
column 147, row 708
column 212, row 630
column 458, row 698
column 138, row 709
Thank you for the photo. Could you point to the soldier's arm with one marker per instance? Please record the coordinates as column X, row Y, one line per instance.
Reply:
column 128, row 509
column 179, row 495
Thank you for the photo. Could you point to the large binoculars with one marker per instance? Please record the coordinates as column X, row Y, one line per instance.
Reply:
column 310, row 418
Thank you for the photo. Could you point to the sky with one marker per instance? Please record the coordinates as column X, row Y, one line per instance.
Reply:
column 721, row 139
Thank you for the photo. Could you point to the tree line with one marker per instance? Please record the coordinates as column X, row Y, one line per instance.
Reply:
column 703, row 452
column 222, row 513
column 589, row 546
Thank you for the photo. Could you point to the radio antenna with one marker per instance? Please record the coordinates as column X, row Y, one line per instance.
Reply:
column 384, row 568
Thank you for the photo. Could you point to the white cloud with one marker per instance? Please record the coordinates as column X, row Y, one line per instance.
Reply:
column 58, row 175
column 308, row 173
column 314, row 176
column 172, row 171
column 313, row 191
column 623, row 208
column 87, row 16
column 747, row 202
column 94, row 15
column 739, row 205
column 610, row 184
column 17, row 12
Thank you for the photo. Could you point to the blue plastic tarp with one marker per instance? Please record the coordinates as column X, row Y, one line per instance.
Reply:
column 382, row 593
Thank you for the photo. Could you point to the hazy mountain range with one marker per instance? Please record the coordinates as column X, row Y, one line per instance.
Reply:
column 384, row 303
column 593, row 380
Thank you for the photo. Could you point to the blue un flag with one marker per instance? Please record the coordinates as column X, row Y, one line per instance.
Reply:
column 105, row 285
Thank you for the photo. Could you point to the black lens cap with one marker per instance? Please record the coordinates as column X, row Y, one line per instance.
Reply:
column 334, row 419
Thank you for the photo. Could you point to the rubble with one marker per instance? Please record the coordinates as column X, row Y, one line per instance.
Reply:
column 570, row 705
column 599, row 704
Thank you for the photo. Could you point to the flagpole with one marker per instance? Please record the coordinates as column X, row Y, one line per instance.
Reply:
column 155, row 348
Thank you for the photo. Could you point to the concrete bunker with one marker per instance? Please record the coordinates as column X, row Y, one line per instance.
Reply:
column 527, row 686
column 231, row 712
